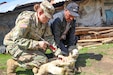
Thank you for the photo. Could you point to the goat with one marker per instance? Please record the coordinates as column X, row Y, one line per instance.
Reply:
column 60, row 67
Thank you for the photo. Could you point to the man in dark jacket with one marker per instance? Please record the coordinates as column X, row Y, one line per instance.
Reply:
column 63, row 28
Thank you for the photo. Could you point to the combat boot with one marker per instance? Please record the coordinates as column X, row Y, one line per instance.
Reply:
column 11, row 66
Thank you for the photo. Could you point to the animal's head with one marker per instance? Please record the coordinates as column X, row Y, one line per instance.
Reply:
column 74, row 53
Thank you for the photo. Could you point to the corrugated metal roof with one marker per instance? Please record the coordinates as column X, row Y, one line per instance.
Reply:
column 57, row 1
column 13, row 4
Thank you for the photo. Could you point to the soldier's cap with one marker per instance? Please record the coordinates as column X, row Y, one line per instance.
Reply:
column 47, row 8
column 73, row 8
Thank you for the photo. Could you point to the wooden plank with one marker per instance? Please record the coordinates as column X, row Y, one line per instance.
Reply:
column 95, row 28
column 101, row 32
column 93, row 40
column 85, row 30
column 107, row 41
column 93, row 36
column 88, row 43
column 110, row 34
column 98, row 44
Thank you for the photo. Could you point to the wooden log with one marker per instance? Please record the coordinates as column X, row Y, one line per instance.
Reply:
column 94, row 28
column 93, row 36
column 101, row 32
column 94, row 32
column 93, row 40
column 85, row 30
column 88, row 43
column 98, row 44
column 110, row 34
column 107, row 41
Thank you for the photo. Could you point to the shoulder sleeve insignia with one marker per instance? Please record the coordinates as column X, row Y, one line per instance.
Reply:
column 23, row 26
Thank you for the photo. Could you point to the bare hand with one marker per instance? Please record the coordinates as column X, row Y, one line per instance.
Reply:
column 63, row 58
column 43, row 44
column 63, row 37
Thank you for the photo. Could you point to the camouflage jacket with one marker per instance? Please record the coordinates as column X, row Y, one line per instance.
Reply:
column 26, row 31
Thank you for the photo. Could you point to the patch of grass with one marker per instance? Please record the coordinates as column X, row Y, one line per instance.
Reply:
column 97, row 49
column 23, row 71
column 104, row 46
column 87, row 57
column 103, row 53
column 3, row 59
column 83, row 73
column 84, row 50
column 88, row 62
column 19, row 71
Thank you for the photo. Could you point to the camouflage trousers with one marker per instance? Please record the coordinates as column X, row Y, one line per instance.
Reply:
column 27, row 58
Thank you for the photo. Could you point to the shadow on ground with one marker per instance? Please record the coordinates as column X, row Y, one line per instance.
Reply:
column 24, row 72
column 81, row 61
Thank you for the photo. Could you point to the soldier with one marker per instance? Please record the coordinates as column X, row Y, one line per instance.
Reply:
column 23, row 41
column 63, row 27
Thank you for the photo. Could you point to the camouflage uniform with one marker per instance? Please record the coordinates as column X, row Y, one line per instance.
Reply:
column 21, row 40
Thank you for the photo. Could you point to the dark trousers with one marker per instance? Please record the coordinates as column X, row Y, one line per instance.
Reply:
column 64, row 44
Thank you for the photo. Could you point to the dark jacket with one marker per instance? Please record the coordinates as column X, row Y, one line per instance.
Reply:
column 58, row 24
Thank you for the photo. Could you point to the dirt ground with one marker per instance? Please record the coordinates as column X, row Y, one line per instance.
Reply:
column 2, row 72
column 101, row 62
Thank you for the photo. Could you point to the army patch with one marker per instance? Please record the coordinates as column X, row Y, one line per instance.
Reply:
column 23, row 26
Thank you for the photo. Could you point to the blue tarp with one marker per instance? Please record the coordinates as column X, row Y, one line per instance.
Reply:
column 109, row 17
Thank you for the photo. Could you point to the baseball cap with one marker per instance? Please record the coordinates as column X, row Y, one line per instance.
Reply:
column 73, row 8
column 47, row 8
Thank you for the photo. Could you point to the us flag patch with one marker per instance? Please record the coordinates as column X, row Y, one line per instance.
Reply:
column 23, row 26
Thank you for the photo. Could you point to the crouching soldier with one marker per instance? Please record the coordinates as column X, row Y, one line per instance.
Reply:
column 23, row 41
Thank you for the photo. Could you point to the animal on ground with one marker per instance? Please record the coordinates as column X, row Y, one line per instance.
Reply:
column 60, row 67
